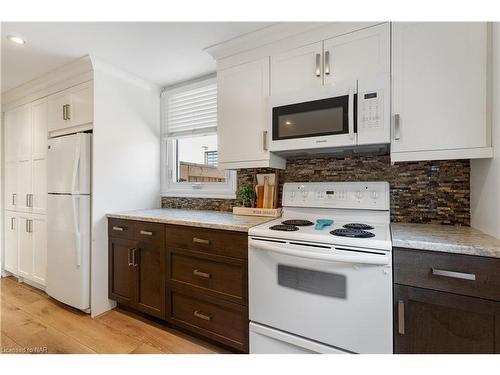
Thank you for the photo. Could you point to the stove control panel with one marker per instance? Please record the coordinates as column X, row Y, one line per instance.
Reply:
column 351, row 195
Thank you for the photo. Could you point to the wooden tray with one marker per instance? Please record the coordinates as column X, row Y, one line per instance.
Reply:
column 249, row 211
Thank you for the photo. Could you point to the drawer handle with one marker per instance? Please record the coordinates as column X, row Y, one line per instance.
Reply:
column 201, row 240
column 146, row 233
column 119, row 229
column 202, row 316
column 453, row 274
column 201, row 274
column 401, row 317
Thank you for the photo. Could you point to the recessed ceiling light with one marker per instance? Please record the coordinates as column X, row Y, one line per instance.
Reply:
column 16, row 39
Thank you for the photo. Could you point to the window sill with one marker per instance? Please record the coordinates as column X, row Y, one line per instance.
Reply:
column 197, row 194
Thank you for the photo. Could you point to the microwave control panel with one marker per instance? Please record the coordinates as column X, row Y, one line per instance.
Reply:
column 371, row 109
column 374, row 110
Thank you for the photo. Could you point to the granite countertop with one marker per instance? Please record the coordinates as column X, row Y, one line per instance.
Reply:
column 194, row 218
column 445, row 238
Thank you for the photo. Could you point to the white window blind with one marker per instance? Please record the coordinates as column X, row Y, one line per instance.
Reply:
column 192, row 111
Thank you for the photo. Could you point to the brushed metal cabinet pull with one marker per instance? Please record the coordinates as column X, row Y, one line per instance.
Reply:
column 201, row 240
column 201, row 274
column 401, row 317
column 27, row 200
column 12, row 223
column 130, row 263
column 133, row 258
column 68, row 111
column 397, row 127
column 31, row 226
column 119, row 229
column 264, row 140
column 26, row 227
column 318, row 65
column 14, row 195
column 30, row 201
column 327, row 62
column 200, row 315
column 146, row 233
column 454, row 274
column 64, row 112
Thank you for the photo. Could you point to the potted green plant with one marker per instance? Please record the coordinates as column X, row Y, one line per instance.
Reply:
column 247, row 194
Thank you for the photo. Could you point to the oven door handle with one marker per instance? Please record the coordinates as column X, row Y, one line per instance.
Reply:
column 358, row 258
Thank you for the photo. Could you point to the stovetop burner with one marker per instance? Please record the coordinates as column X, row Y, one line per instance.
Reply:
column 354, row 233
column 298, row 223
column 284, row 228
column 358, row 226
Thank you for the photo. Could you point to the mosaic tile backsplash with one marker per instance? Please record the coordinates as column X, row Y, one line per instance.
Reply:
column 421, row 192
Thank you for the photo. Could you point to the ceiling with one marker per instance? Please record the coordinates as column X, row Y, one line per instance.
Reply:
column 164, row 53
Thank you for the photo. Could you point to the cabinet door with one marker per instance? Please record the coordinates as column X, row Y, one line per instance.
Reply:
column 39, row 234
column 11, row 137
column 149, row 263
column 297, row 69
column 11, row 196
column 439, row 86
column 427, row 321
column 24, row 185
column 81, row 104
column 25, row 260
column 121, row 272
column 39, row 189
column 24, row 132
column 243, row 92
column 11, row 225
column 364, row 53
column 55, row 107
column 39, row 117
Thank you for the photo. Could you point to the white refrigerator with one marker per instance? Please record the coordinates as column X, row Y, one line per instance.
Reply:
column 68, row 219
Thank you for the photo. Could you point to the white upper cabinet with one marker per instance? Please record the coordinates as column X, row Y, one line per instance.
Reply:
column 297, row 69
column 24, row 132
column 39, row 116
column 361, row 54
column 11, row 197
column 71, row 110
column 243, row 92
column 439, row 93
column 11, row 129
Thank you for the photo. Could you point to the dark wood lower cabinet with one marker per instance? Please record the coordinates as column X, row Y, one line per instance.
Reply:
column 449, row 319
column 121, row 273
column 195, row 279
column 136, row 271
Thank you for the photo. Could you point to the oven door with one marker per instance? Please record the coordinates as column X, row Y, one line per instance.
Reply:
column 322, row 118
column 343, row 299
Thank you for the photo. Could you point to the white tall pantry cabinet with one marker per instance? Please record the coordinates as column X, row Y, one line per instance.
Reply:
column 26, row 191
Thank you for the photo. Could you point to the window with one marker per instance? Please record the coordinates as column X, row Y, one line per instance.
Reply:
column 189, row 141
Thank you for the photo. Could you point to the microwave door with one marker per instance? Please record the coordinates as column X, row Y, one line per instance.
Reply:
column 323, row 121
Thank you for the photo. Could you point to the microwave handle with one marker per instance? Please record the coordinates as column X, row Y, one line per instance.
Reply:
column 351, row 115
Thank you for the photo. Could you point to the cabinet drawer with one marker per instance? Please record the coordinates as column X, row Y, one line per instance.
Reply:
column 222, row 321
column 212, row 241
column 461, row 274
column 118, row 228
column 153, row 233
column 226, row 279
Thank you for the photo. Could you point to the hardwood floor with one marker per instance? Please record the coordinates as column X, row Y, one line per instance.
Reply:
column 32, row 322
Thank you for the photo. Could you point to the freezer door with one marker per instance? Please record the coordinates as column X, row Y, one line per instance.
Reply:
column 68, row 164
column 68, row 247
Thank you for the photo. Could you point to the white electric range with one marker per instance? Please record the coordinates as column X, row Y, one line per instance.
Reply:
column 327, row 287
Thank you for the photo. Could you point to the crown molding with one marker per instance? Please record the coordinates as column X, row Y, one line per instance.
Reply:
column 71, row 74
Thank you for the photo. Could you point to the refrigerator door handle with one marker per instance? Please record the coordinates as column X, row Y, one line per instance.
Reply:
column 76, row 229
column 76, row 166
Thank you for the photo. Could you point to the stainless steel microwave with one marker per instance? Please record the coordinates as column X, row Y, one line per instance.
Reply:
column 346, row 114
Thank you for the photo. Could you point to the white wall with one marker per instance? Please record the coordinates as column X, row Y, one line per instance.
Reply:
column 485, row 173
column 126, row 167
